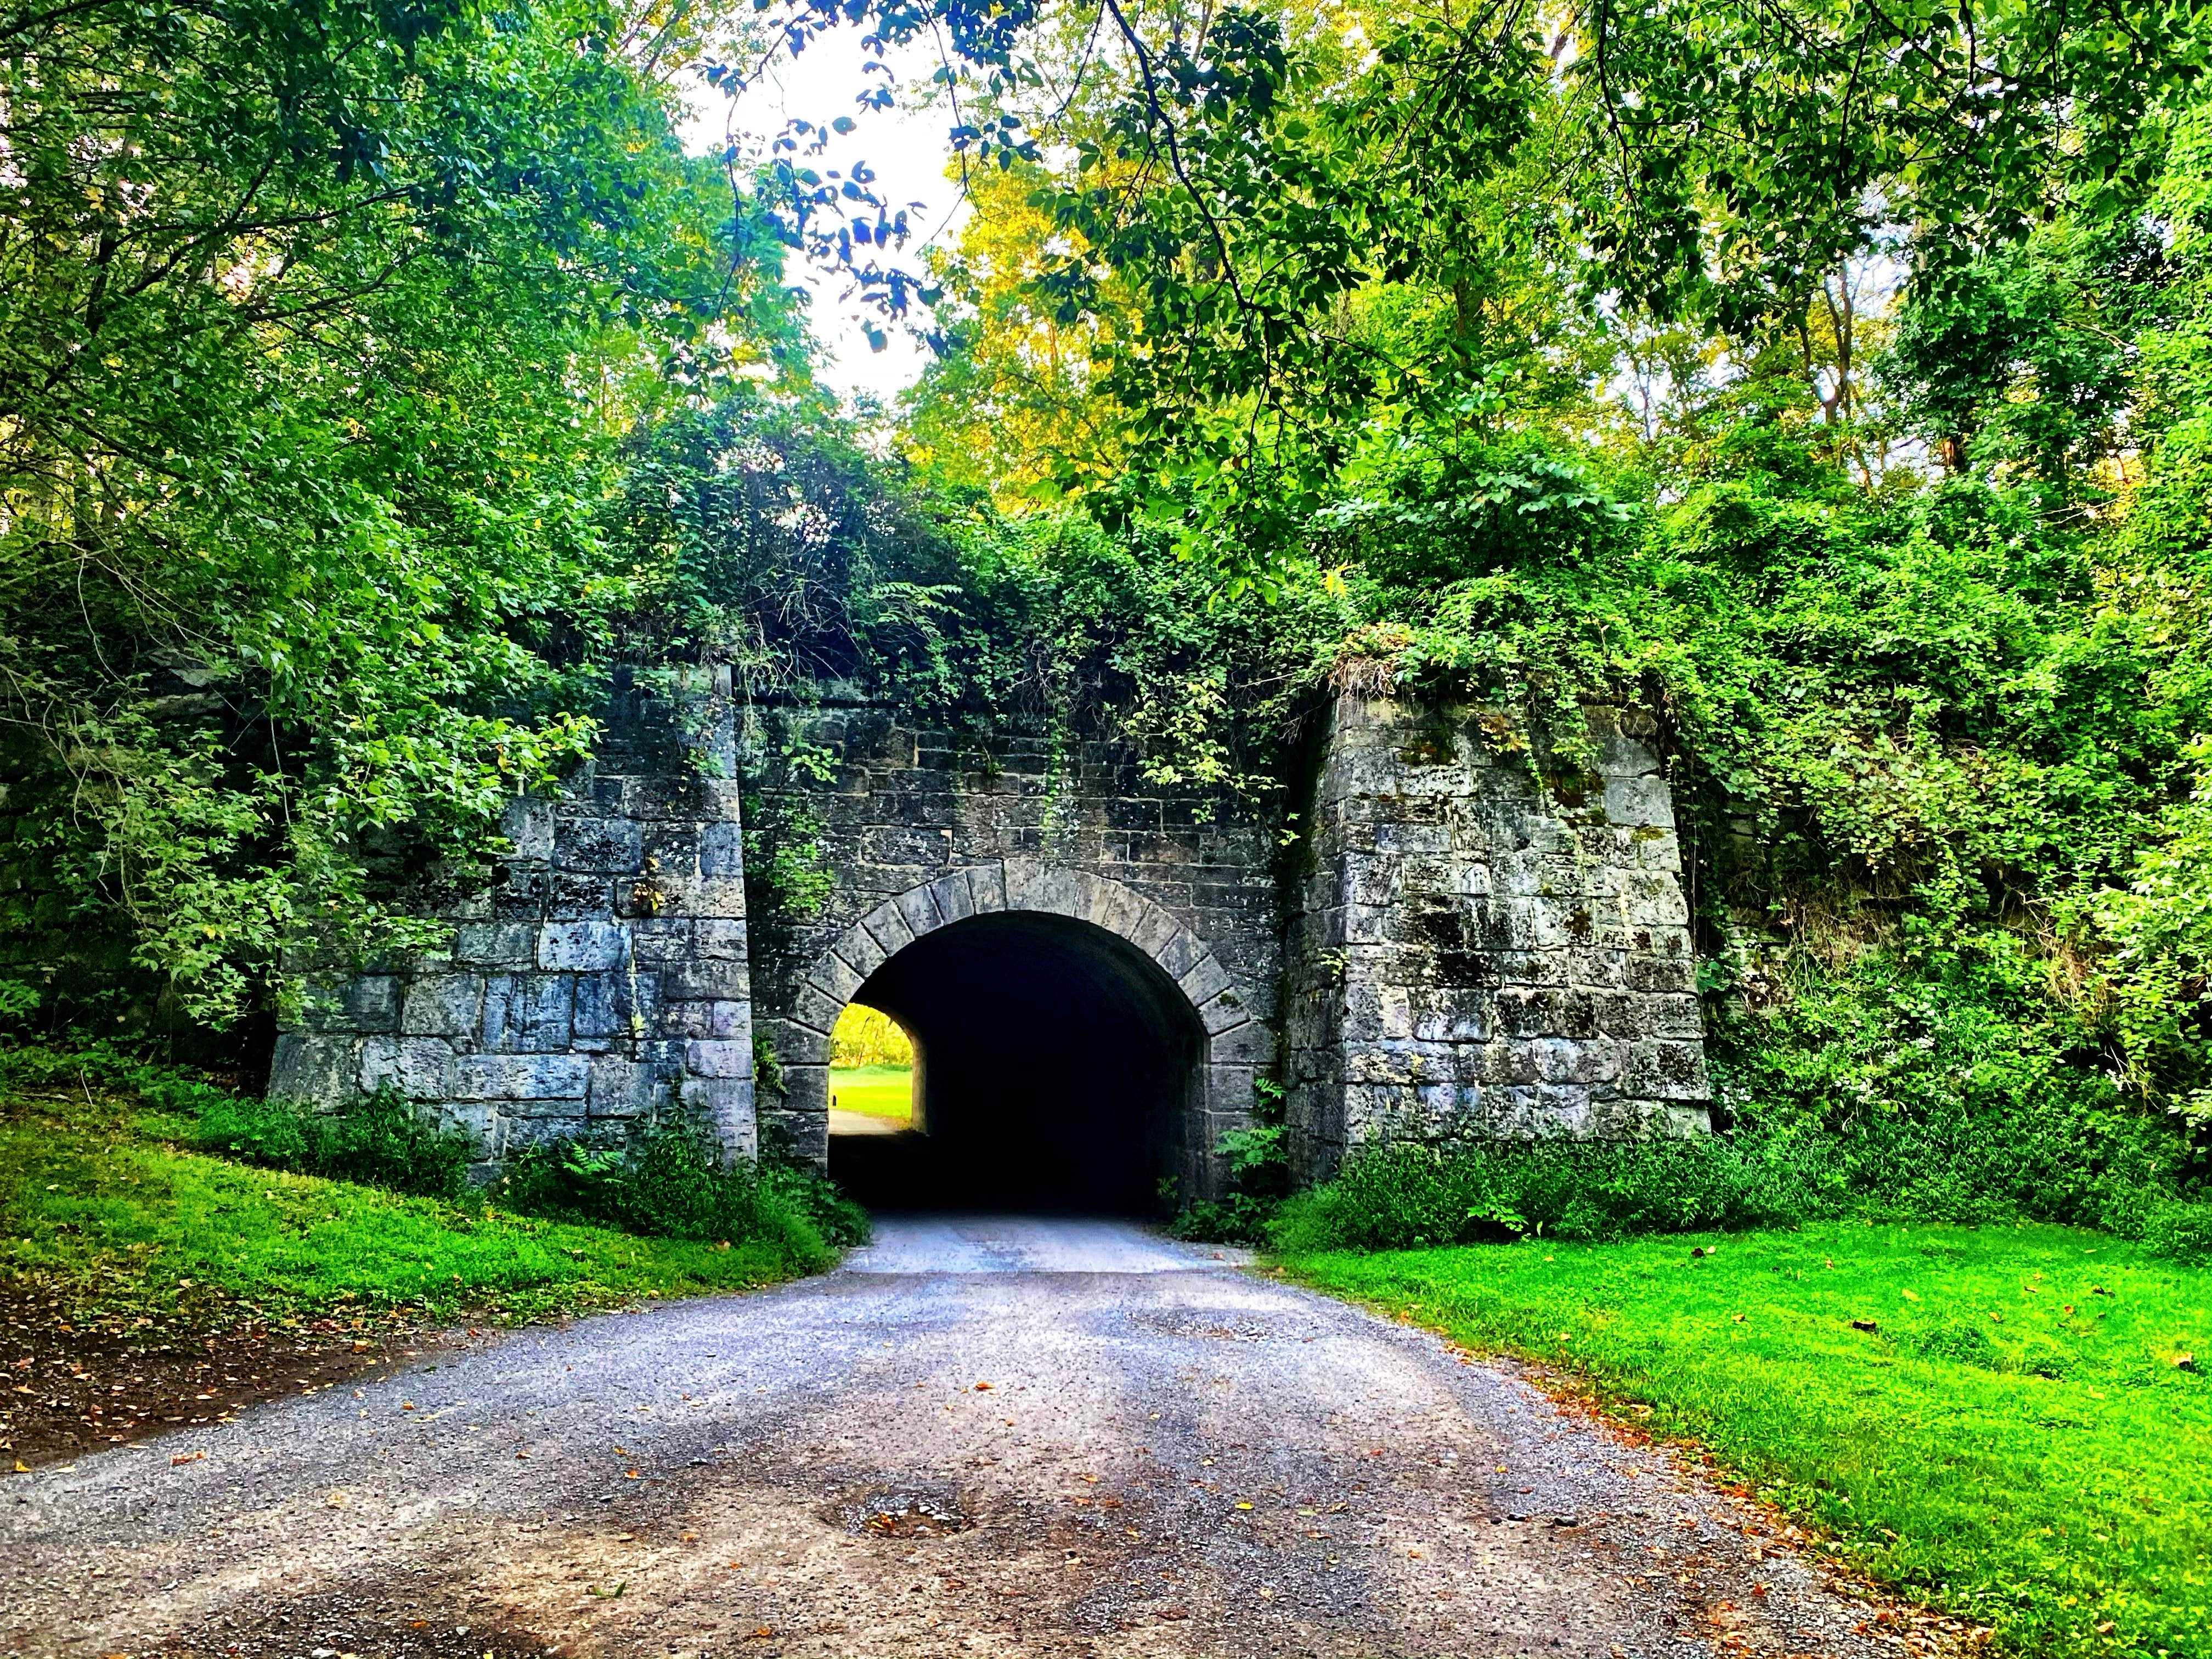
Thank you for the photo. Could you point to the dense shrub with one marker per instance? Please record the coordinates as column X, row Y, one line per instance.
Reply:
column 1889, row 1081
column 380, row 1141
column 1259, row 1168
column 670, row 1182
column 1949, row 1166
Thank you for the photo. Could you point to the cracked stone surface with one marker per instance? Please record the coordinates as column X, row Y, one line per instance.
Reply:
column 980, row 1436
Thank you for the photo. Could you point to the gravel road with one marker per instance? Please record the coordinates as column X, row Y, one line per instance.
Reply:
column 979, row 1437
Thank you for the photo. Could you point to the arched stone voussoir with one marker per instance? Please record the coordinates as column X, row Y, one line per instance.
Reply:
column 1028, row 884
column 954, row 897
column 801, row 1045
column 1231, row 1041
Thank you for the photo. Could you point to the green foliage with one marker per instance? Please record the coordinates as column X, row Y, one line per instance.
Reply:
column 783, row 857
column 670, row 1181
column 1740, row 194
column 1258, row 1162
column 320, row 325
column 99, row 1205
column 2160, row 969
column 2040, row 1156
column 867, row 1036
column 380, row 1140
column 2023, row 361
column 2013, row 1441
column 1409, row 1196
column 1297, row 227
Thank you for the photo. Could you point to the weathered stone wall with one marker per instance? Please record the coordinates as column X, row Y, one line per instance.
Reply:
column 1475, row 956
column 1467, row 950
column 917, row 826
column 600, row 980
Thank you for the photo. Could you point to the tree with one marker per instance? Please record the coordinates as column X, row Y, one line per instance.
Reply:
column 319, row 325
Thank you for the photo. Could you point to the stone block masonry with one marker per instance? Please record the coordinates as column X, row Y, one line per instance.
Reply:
column 1475, row 955
column 1458, row 949
column 599, row 983
column 919, row 826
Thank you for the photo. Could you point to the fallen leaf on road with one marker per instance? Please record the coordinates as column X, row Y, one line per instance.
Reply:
column 1173, row 1613
column 982, row 1388
column 188, row 1457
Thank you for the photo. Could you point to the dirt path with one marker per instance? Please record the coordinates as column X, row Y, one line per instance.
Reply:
column 1016, row 1438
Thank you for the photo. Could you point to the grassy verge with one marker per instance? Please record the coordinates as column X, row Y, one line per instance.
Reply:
column 2013, row 1441
column 105, row 1213
column 875, row 1090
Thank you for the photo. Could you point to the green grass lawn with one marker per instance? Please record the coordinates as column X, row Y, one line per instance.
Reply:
column 99, row 1210
column 876, row 1091
column 2013, row 1440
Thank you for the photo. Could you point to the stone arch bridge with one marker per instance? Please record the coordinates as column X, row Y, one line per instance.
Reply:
column 1102, row 974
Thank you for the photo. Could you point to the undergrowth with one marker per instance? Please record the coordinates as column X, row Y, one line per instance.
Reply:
column 1895, row 1085
column 1959, row 1168
column 108, row 1221
column 380, row 1140
column 668, row 1180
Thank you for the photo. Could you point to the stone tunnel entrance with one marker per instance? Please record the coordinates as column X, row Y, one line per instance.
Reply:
column 1055, row 1069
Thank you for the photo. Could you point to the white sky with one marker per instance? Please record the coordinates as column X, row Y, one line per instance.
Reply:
column 905, row 146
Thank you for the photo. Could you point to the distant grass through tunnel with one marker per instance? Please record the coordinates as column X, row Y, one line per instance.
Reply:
column 871, row 1065
column 885, row 1092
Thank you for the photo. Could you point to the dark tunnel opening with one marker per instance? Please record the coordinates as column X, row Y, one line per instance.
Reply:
column 1055, row 1068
